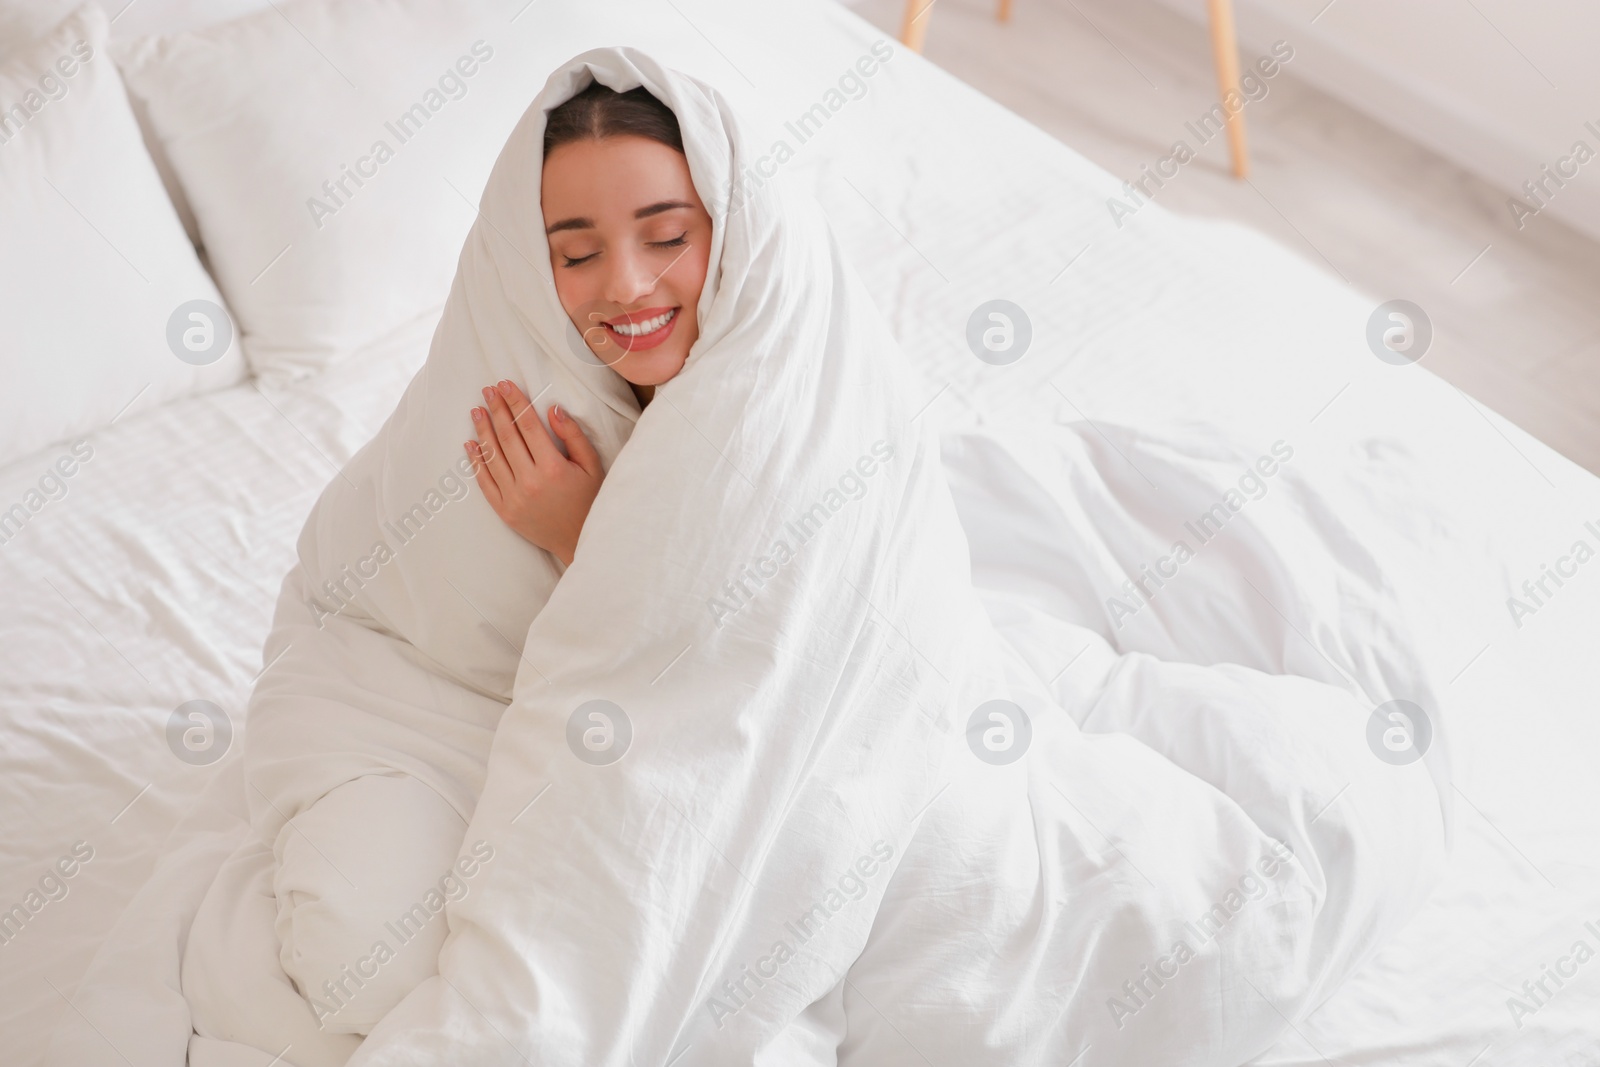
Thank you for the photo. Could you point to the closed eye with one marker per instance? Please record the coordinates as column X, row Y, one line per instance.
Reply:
column 675, row 242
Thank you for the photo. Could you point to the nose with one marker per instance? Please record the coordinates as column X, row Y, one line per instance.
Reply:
column 629, row 278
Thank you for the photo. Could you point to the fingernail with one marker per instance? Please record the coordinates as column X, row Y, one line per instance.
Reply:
column 477, row 414
column 557, row 413
column 505, row 388
column 488, row 394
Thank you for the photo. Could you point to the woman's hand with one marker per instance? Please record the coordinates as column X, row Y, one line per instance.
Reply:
column 536, row 490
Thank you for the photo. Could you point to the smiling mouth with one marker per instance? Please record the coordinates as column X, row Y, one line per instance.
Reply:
column 640, row 330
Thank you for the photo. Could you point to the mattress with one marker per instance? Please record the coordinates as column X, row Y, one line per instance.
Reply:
column 149, row 583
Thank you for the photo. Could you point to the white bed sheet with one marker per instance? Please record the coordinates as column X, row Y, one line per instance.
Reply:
column 151, row 582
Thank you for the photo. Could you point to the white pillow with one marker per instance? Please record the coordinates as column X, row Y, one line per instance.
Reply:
column 24, row 21
column 333, row 154
column 95, row 268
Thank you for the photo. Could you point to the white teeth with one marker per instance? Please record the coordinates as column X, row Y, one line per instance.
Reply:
column 639, row 329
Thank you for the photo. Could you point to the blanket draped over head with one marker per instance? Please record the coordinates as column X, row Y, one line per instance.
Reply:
column 770, row 595
column 764, row 778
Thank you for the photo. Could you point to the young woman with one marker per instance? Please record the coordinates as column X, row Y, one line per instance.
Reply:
column 629, row 243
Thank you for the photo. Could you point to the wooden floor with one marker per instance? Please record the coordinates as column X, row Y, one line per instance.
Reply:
column 1516, row 315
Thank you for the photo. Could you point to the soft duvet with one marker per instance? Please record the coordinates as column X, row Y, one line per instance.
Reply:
column 763, row 761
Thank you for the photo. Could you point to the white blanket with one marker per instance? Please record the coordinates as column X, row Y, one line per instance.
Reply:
column 771, row 588
column 802, row 822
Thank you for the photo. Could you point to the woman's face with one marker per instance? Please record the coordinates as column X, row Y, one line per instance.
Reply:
column 629, row 243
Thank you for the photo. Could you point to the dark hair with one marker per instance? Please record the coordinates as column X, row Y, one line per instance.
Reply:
column 600, row 111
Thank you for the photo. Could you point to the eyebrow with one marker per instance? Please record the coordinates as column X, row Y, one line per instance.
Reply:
column 581, row 223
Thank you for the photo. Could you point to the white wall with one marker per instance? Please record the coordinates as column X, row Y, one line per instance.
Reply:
column 1471, row 79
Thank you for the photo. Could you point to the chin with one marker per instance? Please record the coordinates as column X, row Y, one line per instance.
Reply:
column 656, row 369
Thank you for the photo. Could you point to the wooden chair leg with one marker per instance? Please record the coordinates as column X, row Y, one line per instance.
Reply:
column 914, row 23
column 1225, row 50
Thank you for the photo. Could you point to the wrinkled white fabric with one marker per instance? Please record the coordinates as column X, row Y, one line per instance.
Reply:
column 799, row 857
column 771, row 587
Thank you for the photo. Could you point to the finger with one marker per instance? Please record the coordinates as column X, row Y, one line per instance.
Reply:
column 480, row 471
column 509, row 435
column 579, row 450
column 493, row 456
column 540, row 447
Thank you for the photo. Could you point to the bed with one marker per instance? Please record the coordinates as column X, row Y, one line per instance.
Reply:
column 149, row 581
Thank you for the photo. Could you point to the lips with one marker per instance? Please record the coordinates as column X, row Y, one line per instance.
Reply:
column 638, row 330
